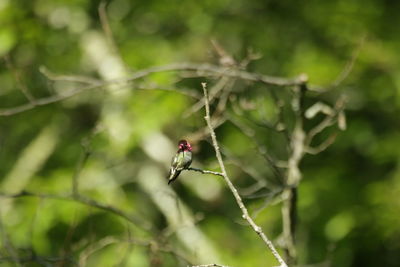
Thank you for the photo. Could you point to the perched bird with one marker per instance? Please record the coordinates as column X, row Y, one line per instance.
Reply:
column 181, row 161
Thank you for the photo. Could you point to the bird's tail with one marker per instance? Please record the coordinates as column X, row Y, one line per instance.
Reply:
column 173, row 175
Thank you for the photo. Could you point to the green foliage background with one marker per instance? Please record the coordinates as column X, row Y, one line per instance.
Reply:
column 348, row 200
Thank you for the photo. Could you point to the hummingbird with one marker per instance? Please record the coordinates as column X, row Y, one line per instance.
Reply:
column 181, row 161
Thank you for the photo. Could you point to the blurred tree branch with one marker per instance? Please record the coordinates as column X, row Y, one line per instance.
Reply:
column 201, row 70
column 18, row 79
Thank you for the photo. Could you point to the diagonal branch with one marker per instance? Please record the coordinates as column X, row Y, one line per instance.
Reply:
column 18, row 79
column 350, row 64
column 106, row 26
column 234, row 191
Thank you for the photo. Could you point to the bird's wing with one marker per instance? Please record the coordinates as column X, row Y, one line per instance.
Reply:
column 188, row 155
column 178, row 161
column 174, row 170
column 174, row 161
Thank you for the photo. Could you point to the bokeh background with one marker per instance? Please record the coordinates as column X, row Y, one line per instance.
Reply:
column 348, row 202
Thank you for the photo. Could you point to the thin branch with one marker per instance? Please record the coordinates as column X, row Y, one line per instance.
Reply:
column 271, row 198
column 224, row 97
column 106, row 26
column 225, row 59
column 251, row 56
column 349, row 65
column 18, row 79
column 93, row 203
column 201, row 133
column 215, row 90
column 331, row 118
column 346, row 71
column 280, row 126
column 249, row 191
column 251, row 172
column 204, row 171
column 150, row 244
column 68, row 78
column 48, row 100
column 321, row 147
column 94, row 247
column 81, row 162
column 234, row 191
column 178, row 255
column 202, row 70
column 249, row 132
column 208, row 265
column 326, row 122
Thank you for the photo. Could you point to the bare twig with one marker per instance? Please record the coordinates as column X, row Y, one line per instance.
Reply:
column 204, row 171
column 151, row 244
column 332, row 117
column 201, row 133
column 106, row 26
column 345, row 72
column 350, row 64
column 280, row 126
column 84, row 255
column 249, row 132
column 177, row 254
column 225, row 59
column 252, row 172
column 215, row 90
column 47, row 100
column 81, row 162
column 321, row 147
column 250, row 56
column 326, row 122
column 209, row 265
column 18, row 79
column 109, row 240
column 68, row 78
column 234, row 191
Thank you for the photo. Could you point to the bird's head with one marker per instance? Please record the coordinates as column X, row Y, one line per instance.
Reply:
column 184, row 145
